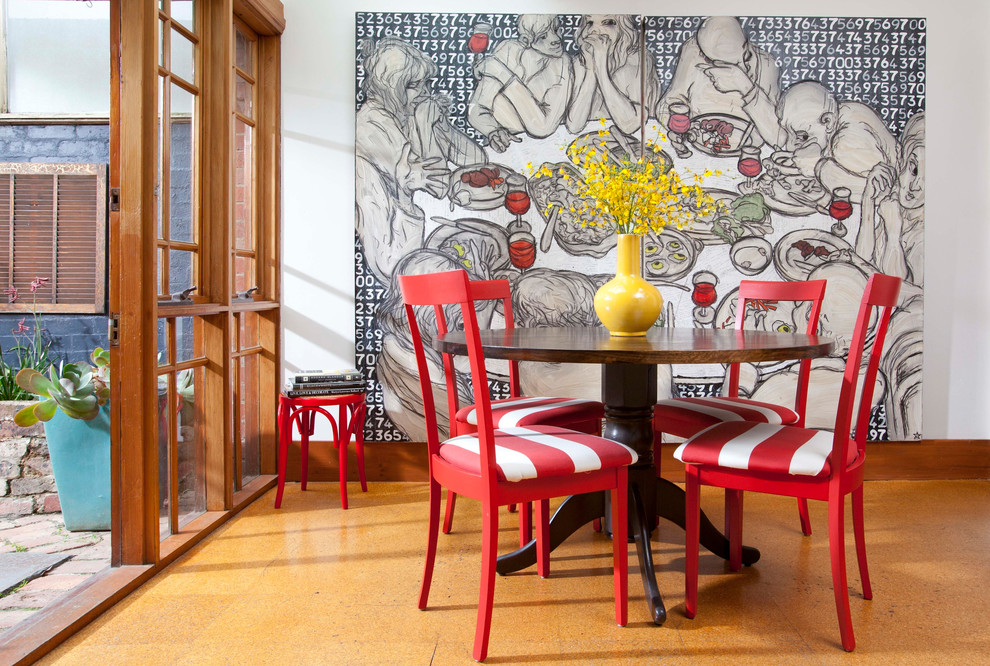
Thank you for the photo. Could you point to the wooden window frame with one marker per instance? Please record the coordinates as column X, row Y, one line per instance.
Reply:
column 136, row 552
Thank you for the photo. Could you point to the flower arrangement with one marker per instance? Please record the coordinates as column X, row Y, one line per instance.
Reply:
column 627, row 195
column 30, row 350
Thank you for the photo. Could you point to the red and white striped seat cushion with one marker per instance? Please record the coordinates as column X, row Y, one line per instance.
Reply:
column 527, row 411
column 686, row 416
column 760, row 447
column 538, row 452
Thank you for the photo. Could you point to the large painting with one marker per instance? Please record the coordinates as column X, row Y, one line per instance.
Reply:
column 815, row 127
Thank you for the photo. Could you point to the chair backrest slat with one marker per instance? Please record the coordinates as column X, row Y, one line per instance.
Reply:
column 812, row 291
column 499, row 290
column 881, row 293
column 438, row 290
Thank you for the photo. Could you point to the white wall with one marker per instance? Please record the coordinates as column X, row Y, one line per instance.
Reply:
column 318, row 181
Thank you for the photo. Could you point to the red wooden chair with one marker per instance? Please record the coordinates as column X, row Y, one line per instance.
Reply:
column 797, row 462
column 516, row 410
column 516, row 464
column 685, row 417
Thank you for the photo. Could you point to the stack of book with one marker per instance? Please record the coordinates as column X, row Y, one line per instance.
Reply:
column 325, row 382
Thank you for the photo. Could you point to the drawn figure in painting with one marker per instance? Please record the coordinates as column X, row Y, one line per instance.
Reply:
column 524, row 86
column 837, row 143
column 891, row 232
column 607, row 73
column 404, row 145
column 891, row 236
column 719, row 71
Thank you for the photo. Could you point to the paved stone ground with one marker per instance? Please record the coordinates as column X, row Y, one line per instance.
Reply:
column 46, row 533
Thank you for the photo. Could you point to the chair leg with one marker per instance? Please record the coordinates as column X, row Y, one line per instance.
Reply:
column 448, row 516
column 692, row 519
column 305, row 430
column 805, row 516
column 431, row 543
column 489, row 557
column 733, row 526
column 837, row 549
column 542, row 535
column 526, row 523
column 860, row 533
column 357, row 427
column 620, row 545
column 342, row 441
column 284, row 436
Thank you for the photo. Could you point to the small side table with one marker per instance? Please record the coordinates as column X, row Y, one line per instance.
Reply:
column 302, row 412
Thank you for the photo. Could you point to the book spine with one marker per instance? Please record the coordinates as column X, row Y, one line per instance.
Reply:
column 325, row 385
column 319, row 379
column 301, row 393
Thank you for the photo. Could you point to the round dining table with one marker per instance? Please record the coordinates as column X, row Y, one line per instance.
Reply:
column 629, row 393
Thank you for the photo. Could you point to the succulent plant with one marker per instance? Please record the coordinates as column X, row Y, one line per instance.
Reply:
column 79, row 389
column 101, row 374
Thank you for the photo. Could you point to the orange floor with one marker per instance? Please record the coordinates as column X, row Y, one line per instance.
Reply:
column 311, row 584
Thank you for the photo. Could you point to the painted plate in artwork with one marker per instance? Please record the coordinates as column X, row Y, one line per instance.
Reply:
column 479, row 186
column 802, row 251
column 718, row 134
column 784, row 188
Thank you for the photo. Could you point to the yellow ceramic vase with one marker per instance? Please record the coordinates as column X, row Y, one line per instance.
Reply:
column 627, row 304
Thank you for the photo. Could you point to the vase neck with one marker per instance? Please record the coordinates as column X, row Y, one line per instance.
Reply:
column 629, row 258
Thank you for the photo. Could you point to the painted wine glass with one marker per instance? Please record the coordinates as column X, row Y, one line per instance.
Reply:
column 680, row 119
column 704, row 296
column 749, row 163
column 839, row 209
column 480, row 33
column 516, row 196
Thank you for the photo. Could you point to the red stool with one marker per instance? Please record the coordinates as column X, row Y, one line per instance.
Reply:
column 302, row 412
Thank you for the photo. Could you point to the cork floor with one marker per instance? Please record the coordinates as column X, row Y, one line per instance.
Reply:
column 311, row 584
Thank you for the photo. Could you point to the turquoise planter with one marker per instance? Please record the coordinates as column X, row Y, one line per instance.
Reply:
column 80, row 454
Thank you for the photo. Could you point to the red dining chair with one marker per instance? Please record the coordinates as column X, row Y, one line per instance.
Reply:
column 516, row 410
column 797, row 462
column 515, row 464
column 685, row 417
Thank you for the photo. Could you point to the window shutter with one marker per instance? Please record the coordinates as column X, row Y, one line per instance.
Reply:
column 53, row 225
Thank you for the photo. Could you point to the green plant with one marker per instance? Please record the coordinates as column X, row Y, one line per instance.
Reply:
column 31, row 348
column 79, row 389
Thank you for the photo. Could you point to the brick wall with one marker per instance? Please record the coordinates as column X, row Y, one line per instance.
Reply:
column 73, row 336
column 26, row 482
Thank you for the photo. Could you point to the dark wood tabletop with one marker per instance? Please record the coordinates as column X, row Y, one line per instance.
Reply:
column 659, row 345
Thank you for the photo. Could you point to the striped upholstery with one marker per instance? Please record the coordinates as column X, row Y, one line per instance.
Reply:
column 527, row 411
column 760, row 447
column 686, row 416
column 538, row 452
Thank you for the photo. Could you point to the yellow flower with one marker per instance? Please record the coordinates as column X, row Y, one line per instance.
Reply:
column 633, row 196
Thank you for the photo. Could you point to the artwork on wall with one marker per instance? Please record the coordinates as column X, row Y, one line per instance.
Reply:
column 815, row 127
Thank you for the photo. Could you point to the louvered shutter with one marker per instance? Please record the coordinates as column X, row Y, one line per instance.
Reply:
column 53, row 225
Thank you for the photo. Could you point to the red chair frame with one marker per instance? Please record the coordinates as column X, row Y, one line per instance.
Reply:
column 495, row 290
column 847, row 459
column 812, row 291
column 301, row 412
column 454, row 287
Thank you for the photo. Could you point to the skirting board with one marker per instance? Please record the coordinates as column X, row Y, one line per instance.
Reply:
column 924, row 460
